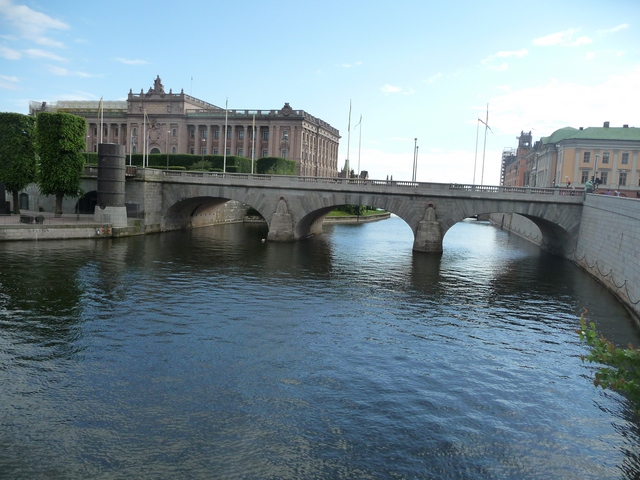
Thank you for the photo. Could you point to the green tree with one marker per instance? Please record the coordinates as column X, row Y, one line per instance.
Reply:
column 17, row 153
column 60, row 142
column 621, row 370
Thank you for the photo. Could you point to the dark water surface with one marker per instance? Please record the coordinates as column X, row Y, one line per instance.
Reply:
column 208, row 354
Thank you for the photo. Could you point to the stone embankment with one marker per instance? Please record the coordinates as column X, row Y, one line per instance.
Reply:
column 608, row 246
column 357, row 218
column 46, row 226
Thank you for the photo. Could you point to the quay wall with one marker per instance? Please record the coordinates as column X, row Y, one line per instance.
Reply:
column 357, row 219
column 608, row 246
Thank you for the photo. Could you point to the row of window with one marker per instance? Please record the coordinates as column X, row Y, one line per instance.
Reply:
column 240, row 134
column 624, row 159
column 192, row 133
column 216, row 151
column 585, row 175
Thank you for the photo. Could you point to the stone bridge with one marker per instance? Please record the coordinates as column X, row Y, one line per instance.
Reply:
column 294, row 207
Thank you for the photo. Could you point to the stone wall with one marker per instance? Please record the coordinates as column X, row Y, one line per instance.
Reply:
column 518, row 225
column 609, row 246
column 608, row 243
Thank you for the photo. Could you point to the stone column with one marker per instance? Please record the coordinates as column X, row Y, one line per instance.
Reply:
column 428, row 234
column 111, row 184
column 281, row 225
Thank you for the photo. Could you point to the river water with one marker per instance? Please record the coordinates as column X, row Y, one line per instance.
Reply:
column 210, row 354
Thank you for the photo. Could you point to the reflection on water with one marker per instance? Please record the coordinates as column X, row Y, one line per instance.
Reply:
column 209, row 354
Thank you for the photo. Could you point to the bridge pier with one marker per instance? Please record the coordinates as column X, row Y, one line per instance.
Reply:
column 281, row 224
column 428, row 235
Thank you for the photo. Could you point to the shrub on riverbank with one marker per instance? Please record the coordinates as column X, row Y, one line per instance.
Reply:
column 622, row 365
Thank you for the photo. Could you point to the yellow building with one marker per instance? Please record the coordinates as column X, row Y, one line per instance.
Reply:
column 572, row 156
column 180, row 123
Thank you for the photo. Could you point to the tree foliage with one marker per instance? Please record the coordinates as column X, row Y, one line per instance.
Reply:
column 60, row 142
column 621, row 370
column 17, row 153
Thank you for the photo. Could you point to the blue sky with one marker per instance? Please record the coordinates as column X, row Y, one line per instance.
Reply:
column 413, row 69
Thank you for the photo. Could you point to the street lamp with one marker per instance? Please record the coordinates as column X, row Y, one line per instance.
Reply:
column 595, row 169
column 168, row 132
column 203, row 144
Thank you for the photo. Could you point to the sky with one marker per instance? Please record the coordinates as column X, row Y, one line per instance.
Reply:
column 383, row 73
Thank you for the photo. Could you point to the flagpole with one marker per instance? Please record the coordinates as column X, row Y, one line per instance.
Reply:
column 226, row 116
column 484, row 148
column 144, row 137
column 101, row 118
column 347, row 174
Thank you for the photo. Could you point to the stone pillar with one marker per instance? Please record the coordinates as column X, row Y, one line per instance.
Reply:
column 428, row 234
column 281, row 226
column 110, row 208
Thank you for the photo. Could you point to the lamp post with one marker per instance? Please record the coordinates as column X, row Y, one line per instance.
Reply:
column 595, row 169
column 87, row 149
column 285, row 143
column 203, row 144
column 415, row 150
column 168, row 132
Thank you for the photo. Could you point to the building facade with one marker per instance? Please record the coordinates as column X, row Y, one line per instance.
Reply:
column 180, row 123
column 572, row 156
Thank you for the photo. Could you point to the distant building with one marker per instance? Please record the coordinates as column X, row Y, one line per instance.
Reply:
column 514, row 162
column 180, row 123
column 573, row 156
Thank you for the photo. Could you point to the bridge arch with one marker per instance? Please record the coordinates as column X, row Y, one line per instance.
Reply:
column 310, row 223
column 559, row 227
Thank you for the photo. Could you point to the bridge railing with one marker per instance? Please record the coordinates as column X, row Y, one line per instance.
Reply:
column 152, row 172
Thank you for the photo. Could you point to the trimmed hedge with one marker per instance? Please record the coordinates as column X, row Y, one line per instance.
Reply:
column 213, row 163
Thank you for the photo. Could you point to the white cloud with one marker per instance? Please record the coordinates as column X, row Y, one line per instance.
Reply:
column 35, row 53
column 30, row 24
column 64, row 72
column 391, row 89
column 60, row 71
column 564, row 38
column 9, row 82
column 434, row 165
column 127, row 61
column 9, row 53
column 434, row 78
column 615, row 29
column 580, row 41
column 560, row 104
column 489, row 61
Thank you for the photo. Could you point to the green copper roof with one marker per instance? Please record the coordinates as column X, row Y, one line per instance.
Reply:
column 609, row 133
column 593, row 133
column 558, row 135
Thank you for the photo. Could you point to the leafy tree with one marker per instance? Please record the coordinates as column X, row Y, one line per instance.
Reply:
column 60, row 141
column 17, row 153
column 622, row 365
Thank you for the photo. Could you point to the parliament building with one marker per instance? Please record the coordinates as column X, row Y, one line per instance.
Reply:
column 180, row 123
